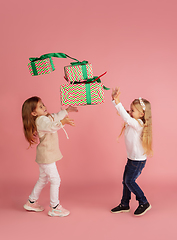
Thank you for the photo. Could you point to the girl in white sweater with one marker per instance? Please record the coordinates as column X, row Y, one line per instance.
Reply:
column 37, row 122
column 138, row 141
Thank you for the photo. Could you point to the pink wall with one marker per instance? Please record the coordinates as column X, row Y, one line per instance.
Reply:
column 134, row 41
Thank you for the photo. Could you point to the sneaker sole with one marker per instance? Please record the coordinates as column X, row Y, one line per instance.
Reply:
column 144, row 211
column 56, row 215
column 32, row 209
column 122, row 211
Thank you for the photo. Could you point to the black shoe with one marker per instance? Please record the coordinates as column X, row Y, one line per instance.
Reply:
column 120, row 208
column 142, row 209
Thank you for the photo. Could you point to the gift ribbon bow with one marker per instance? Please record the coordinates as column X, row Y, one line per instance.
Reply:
column 78, row 63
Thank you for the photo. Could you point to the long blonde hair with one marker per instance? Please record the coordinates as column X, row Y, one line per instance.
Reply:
column 29, row 125
column 146, row 136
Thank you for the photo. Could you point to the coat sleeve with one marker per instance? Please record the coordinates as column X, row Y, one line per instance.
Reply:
column 60, row 115
column 45, row 125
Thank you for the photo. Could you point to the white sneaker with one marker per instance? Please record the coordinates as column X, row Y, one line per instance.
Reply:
column 33, row 207
column 59, row 211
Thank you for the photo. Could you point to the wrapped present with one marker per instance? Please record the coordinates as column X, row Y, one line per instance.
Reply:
column 78, row 71
column 44, row 64
column 82, row 94
column 40, row 67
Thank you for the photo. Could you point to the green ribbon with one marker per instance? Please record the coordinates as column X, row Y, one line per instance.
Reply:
column 52, row 65
column 88, row 94
column 34, row 68
column 79, row 63
column 49, row 55
column 84, row 71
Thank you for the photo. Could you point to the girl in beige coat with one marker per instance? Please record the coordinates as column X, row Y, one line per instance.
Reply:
column 37, row 122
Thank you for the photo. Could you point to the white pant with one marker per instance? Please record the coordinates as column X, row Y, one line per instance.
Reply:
column 48, row 172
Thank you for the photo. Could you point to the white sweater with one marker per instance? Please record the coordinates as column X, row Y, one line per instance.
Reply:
column 48, row 149
column 133, row 131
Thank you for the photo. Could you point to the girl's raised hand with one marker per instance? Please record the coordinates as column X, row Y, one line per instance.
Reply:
column 71, row 109
column 115, row 95
column 114, row 92
column 68, row 121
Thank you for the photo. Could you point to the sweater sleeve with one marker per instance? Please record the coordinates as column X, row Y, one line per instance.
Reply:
column 126, row 117
column 45, row 125
column 60, row 115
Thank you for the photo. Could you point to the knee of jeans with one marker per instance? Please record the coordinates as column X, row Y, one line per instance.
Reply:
column 128, row 182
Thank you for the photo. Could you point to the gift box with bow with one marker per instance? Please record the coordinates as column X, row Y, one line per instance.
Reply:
column 40, row 67
column 44, row 64
column 90, row 92
column 78, row 71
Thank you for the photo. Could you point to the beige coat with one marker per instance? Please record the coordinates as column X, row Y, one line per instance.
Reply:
column 48, row 149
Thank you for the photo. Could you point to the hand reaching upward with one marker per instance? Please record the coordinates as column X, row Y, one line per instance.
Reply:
column 115, row 95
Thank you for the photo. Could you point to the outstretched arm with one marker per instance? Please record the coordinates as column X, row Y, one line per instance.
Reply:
column 63, row 113
column 68, row 120
column 122, row 112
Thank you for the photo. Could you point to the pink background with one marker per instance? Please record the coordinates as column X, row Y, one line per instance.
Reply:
column 135, row 41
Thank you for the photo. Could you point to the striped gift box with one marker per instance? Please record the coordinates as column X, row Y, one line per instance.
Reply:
column 78, row 72
column 81, row 94
column 40, row 67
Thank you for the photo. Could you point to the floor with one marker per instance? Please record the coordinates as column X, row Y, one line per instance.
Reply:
column 90, row 217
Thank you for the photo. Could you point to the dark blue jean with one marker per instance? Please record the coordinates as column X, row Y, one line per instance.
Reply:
column 132, row 171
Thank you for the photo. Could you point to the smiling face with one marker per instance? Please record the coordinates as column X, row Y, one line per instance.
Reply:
column 40, row 110
column 134, row 113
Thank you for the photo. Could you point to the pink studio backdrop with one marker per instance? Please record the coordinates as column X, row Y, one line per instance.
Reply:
column 135, row 42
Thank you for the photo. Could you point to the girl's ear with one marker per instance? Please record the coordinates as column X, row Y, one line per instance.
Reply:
column 142, row 114
column 34, row 114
